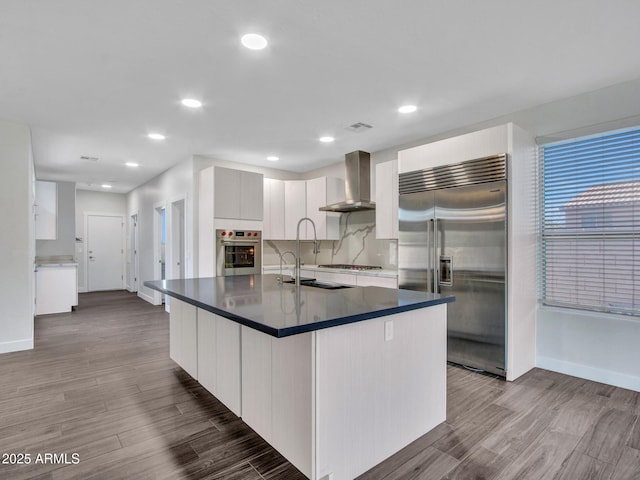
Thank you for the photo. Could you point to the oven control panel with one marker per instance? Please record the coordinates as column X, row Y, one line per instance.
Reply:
column 238, row 234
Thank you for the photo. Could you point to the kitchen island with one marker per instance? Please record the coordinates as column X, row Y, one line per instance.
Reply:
column 336, row 380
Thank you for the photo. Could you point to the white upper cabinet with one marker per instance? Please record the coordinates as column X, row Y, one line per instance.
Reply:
column 46, row 210
column 471, row 146
column 295, row 207
column 286, row 202
column 321, row 192
column 273, row 223
column 387, row 200
column 237, row 194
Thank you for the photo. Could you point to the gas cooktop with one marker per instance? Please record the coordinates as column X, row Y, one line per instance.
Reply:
column 351, row 267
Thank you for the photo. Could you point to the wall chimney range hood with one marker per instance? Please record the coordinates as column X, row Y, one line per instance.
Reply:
column 357, row 185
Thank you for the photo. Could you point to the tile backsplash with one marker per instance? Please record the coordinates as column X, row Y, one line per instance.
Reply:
column 357, row 245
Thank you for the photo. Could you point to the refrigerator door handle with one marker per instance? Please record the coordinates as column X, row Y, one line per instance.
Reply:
column 430, row 280
column 436, row 266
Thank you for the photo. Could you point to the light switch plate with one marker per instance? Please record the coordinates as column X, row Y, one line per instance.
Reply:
column 388, row 330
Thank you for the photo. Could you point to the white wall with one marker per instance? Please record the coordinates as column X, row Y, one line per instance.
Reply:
column 17, row 238
column 599, row 347
column 88, row 201
column 64, row 244
column 163, row 189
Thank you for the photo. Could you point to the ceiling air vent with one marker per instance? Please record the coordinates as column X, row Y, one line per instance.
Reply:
column 90, row 159
column 359, row 127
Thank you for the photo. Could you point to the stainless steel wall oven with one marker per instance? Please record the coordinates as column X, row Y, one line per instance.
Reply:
column 238, row 252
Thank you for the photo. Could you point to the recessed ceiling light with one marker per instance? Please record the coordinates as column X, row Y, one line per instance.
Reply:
column 156, row 136
column 105, row 185
column 327, row 139
column 253, row 41
column 132, row 164
column 191, row 103
column 273, row 158
column 407, row 109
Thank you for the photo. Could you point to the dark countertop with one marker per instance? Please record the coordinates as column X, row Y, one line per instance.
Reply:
column 280, row 310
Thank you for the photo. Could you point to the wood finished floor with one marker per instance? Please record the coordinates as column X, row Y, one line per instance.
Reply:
column 100, row 383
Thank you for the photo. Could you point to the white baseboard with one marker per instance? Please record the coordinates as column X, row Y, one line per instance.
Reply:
column 16, row 345
column 145, row 297
column 595, row 374
column 82, row 289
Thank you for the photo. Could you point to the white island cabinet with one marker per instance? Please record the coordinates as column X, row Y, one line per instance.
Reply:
column 183, row 336
column 336, row 380
column 338, row 401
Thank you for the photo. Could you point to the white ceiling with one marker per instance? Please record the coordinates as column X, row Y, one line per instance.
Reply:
column 94, row 78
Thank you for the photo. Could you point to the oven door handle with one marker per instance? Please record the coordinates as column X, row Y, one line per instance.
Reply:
column 240, row 242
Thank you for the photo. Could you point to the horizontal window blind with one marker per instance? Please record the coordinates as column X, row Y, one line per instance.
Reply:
column 590, row 223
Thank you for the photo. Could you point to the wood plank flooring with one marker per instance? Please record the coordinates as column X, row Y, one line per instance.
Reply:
column 100, row 384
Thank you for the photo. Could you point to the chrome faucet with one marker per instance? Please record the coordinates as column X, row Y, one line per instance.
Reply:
column 281, row 279
column 315, row 246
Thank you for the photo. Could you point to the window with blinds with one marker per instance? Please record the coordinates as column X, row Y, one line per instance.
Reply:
column 590, row 223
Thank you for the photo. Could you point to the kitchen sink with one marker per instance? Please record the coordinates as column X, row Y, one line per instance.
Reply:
column 317, row 284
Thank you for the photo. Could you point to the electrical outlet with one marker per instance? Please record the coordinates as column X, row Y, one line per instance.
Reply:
column 388, row 330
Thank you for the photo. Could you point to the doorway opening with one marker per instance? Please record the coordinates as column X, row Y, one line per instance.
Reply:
column 177, row 242
column 159, row 244
column 133, row 253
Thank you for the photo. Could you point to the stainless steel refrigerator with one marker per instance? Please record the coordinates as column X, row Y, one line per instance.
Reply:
column 453, row 240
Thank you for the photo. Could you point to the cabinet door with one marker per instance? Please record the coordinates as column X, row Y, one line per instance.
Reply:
column 227, row 193
column 273, row 209
column 323, row 191
column 371, row 281
column 175, row 331
column 256, row 382
column 46, row 210
column 295, row 208
column 251, row 196
column 336, row 277
column 56, row 289
column 316, row 197
column 228, row 368
column 207, row 366
column 387, row 200
column 189, row 339
column 266, row 209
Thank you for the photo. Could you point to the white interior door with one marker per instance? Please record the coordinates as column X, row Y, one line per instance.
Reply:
column 177, row 239
column 104, row 252
column 159, row 251
column 133, row 252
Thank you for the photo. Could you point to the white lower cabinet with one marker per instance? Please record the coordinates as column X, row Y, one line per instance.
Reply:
column 183, row 336
column 218, row 354
column 372, row 281
column 360, row 280
column 56, row 289
column 336, row 277
column 277, row 392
